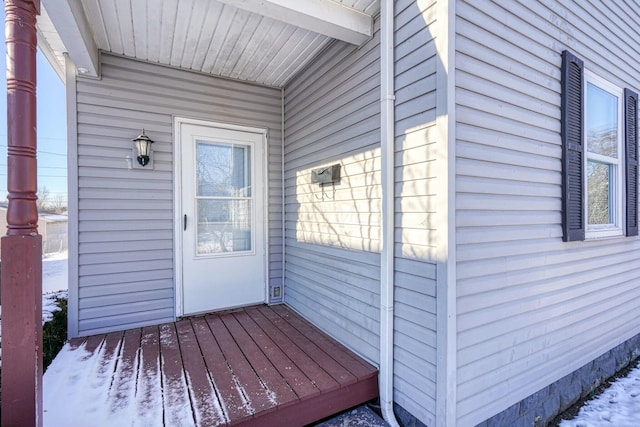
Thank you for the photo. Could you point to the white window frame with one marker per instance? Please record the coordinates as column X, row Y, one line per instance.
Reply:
column 617, row 204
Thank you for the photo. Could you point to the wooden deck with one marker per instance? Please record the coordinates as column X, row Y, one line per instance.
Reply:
column 263, row 366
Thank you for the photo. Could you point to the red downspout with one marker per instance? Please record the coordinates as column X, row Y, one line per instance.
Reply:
column 21, row 277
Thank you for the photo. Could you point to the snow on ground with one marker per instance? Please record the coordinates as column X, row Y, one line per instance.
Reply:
column 49, row 305
column 55, row 273
column 55, row 282
column 617, row 406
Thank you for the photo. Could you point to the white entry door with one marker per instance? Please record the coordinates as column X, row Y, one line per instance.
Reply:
column 223, row 231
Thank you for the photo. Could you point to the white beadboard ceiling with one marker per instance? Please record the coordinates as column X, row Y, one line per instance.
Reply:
column 261, row 41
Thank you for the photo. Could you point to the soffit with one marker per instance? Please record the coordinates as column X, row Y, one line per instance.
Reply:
column 207, row 36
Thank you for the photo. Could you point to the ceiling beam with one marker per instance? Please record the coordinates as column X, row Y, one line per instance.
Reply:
column 73, row 28
column 325, row 17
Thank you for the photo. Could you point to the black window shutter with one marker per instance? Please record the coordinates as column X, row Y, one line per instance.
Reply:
column 572, row 119
column 631, row 158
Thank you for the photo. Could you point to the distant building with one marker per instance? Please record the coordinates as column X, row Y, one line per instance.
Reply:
column 52, row 226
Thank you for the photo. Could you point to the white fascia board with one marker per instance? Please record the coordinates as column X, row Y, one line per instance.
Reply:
column 324, row 17
column 47, row 40
column 51, row 57
column 73, row 28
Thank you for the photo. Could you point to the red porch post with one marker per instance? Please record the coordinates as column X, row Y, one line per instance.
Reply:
column 22, row 246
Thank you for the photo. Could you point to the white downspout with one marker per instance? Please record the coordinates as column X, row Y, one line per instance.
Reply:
column 387, row 255
column 284, row 223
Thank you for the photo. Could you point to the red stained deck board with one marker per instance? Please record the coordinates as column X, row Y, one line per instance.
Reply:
column 254, row 367
column 204, row 401
column 232, row 401
column 149, row 386
column 176, row 398
column 333, row 368
column 309, row 410
column 337, row 351
column 297, row 380
column 93, row 343
column 77, row 342
column 277, row 388
column 323, row 381
column 108, row 355
column 121, row 391
column 244, row 376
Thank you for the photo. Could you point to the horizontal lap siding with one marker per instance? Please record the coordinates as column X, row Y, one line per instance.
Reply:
column 126, row 275
column 332, row 235
column 416, row 66
column 531, row 308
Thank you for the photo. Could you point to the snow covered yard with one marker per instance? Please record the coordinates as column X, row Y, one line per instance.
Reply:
column 617, row 406
column 55, row 283
column 55, row 273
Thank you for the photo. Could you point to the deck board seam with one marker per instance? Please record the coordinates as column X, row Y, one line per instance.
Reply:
column 216, row 387
column 137, row 367
column 210, row 376
column 187, row 380
column 118, row 356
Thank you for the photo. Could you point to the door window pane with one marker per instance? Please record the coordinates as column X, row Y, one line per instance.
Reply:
column 223, row 226
column 599, row 195
column 223, row 170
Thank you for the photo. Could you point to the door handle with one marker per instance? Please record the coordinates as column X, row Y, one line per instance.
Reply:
column 185, row 222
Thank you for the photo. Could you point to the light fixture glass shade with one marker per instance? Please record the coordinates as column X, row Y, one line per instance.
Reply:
column 143, row 148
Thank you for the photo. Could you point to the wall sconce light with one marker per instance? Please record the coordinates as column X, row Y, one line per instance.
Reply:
column 143, row 148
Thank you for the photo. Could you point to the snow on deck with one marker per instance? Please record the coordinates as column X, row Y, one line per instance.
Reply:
column 259, row 366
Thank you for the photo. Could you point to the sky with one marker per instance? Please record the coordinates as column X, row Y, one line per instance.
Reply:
column 52, row 127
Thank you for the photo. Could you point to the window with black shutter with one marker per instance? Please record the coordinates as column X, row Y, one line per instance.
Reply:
column 600, row 155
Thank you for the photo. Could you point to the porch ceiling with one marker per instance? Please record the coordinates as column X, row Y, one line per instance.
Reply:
column 261, row 41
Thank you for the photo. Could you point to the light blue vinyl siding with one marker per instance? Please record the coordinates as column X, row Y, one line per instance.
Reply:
column 332, row 234
column 416, row 65
column 531, row 308
column 125, row 259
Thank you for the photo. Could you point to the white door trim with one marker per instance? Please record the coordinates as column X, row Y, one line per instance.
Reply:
column 177, row 201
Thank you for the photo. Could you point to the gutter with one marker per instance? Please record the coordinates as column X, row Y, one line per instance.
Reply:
column 388, row 211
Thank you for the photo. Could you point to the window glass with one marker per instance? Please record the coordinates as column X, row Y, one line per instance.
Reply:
column 222, row 169
column 603, row 175
column 224, row 226
column 599, row 193
column 602, row 121
column 223, row 198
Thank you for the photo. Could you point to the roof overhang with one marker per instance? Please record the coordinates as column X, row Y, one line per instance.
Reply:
column 66, row 23
column 261, row 41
